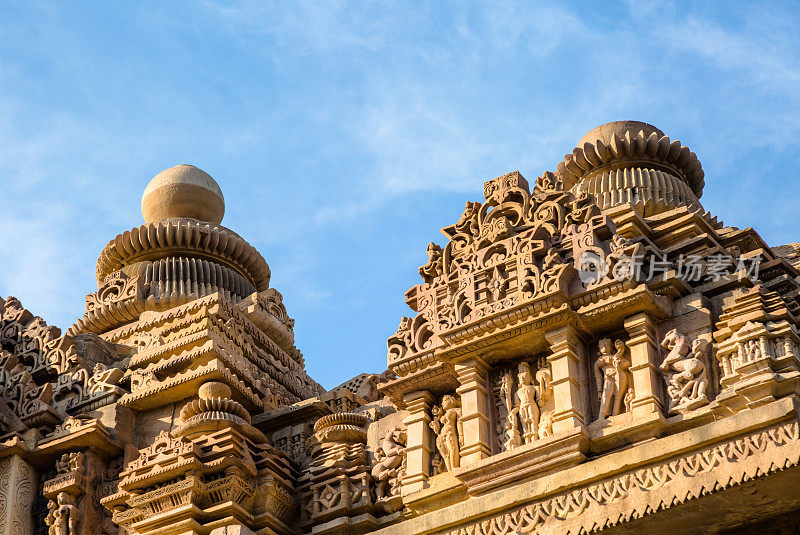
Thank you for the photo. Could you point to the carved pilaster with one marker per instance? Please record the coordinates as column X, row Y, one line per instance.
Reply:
column 568, row 389
column 17, row 487
column 643, row 345
column 340, row 483
column 473, row 374
column 420, row 440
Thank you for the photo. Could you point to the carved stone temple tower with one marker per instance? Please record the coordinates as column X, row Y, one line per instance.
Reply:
column 588, row 352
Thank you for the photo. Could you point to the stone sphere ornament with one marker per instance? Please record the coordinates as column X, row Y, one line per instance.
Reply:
column 183, row 191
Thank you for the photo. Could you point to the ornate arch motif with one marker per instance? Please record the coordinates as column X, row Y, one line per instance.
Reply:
column 42, row 376
column 515, row 249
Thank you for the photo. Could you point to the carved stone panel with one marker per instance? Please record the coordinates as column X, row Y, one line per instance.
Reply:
column 17, row 488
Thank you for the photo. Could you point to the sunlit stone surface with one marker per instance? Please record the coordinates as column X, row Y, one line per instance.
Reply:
column 589, row 351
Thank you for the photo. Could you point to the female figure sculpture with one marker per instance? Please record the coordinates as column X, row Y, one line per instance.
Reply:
column 527, row 403
column 611, row 377
column 447, row 425
column 62, row 517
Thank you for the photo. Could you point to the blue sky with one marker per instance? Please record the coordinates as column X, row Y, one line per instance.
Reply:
column 345, row 134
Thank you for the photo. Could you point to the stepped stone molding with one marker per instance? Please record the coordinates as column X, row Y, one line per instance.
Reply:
column 158, row 285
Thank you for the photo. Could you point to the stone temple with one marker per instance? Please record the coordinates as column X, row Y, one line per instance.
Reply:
column 587, row 352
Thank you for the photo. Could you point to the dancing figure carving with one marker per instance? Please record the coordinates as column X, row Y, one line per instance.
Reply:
column 684, row 370
column 389, row 459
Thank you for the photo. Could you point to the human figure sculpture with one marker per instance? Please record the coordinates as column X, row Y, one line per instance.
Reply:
column 447, row 425
column 75, row 462
column 511, row 427
column 64, row 516
column 389, row 463
column 69, row 462
column 513, row 436
column 544, row 379
column 527, row 406
column 468, row 221
column 684, row 369
column 62, row 464
column 433, row 268
column 50, row 519
column 546, row 425
column 611, row 377
column 629, row 395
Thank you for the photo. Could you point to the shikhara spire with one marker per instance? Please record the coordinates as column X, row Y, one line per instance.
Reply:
column 586, row 352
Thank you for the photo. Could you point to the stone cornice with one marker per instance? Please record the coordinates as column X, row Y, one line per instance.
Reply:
column 659, row 474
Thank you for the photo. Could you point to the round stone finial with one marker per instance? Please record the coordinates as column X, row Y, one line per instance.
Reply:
column 183, row 191
column 214, row 389
column 631, row 162
column 605, row 131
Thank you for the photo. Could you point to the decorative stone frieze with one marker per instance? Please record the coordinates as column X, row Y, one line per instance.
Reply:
column 586, row 352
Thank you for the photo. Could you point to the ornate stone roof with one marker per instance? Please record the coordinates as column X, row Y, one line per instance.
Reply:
column 180, row 253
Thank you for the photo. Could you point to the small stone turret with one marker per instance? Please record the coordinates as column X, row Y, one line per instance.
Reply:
column 633, row 162
column 179, row 254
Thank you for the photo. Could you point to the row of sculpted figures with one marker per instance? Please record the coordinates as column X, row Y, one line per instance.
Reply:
column 521, row 395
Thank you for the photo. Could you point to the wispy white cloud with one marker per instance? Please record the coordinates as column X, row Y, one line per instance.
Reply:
column 323, row 117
